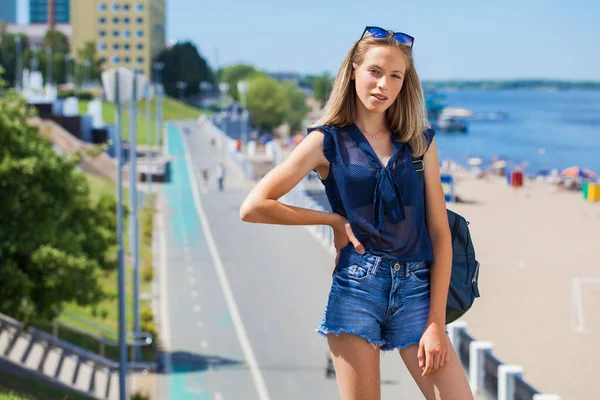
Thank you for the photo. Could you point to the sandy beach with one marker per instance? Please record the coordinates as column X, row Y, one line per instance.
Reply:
column 539, row 250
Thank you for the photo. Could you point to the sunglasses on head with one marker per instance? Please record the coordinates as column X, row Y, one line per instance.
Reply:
column 381, row 33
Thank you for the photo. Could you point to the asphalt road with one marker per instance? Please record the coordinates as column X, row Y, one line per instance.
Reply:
column 242, row 300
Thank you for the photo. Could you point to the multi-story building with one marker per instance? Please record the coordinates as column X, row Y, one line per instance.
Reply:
column 8, row 11
column 49, row 11
column 127, row 33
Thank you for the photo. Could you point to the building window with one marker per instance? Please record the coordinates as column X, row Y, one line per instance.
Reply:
column 115, row 60
column 140, row 20
column 101, row 7
column 140, row 33
column 102, row 60
column 116, row 46
column 116, row 33
column 126, row 20
column 101, row 46
column 102, row 20
column 126, row 46
column 126, row 33
column 102, row 33
column 140, row 46
column 115, row 20
column 127, row 60
column 115, row 7
column 139, row 6
column 126, row 6
column 140, row 60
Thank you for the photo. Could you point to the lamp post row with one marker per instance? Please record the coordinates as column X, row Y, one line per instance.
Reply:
column 121, row 86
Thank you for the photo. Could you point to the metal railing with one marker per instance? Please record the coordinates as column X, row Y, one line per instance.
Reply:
column 144, row 339
column 488, row 376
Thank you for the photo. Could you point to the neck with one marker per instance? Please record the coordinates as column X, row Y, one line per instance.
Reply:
column 369, row 122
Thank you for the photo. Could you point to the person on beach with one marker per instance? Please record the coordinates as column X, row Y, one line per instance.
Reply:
column 392, row 240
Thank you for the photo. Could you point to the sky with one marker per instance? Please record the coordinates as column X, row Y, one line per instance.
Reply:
column 459, row 39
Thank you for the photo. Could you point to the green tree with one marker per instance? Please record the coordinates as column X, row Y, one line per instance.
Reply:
column 322, row 87
column 298, row 109
column 59, row 43
column 55, row 241
column 94, row 69
column 183, row 62
column 232, row 74
column 268, row 102
column 8, row 55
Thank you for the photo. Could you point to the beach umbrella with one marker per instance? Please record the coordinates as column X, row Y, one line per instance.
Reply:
column 475, row 161
column 578, row 172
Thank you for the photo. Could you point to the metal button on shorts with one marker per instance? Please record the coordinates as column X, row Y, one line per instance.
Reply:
column 397, row 267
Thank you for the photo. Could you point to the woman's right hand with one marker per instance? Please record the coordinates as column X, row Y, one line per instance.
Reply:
column 342, row 235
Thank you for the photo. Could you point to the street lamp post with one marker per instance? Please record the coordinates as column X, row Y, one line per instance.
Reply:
column 34, row 61
column 181, row 85
column 242, row 87
column 137, row 92
column 149, row 133
column 158, row 66
column 224, row 88
column 86, row 70
column 19, row 77
column 49, row 65
column 117, row 87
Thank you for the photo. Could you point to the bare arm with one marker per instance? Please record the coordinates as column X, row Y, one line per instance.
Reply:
column 262, row 205
column 439, row 233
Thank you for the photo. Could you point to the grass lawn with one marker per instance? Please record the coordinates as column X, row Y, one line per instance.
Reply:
column 106, row 314
column 14, row 387
column 172, row 110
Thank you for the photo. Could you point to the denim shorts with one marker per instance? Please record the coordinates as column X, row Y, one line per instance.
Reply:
column 379, row 299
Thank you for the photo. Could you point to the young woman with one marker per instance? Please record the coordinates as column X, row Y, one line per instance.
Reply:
column 393, row 263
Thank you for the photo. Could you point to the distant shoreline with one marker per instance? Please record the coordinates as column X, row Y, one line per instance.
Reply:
column 536, row 84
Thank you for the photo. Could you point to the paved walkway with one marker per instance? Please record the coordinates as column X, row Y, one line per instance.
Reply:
column 241, row 301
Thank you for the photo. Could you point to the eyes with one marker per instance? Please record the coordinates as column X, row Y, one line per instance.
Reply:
column 377, row 73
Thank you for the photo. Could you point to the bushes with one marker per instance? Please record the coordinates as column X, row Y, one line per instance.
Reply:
column 82, row 94
column 147, row 272
column 139, row 396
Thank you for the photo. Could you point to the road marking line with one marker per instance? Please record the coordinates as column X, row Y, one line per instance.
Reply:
column 257, row 377
column 192, row 280
column 194, row 293
column 197, row 308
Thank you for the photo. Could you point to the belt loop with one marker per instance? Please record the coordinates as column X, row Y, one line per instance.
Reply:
column 375, row 266
column 407, row 271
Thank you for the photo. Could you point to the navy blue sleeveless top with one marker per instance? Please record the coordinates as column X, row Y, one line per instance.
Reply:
column 385, row 206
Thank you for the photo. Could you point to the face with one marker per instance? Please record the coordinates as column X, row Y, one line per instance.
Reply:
column 379, row 78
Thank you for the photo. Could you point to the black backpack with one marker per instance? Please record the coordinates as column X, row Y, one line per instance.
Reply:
column 465, row 268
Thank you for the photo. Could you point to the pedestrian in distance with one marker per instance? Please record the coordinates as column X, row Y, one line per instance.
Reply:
column 393, row 243
column 221, row 176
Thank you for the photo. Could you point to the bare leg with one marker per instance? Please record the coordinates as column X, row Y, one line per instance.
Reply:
column 356, row 365
column 447, row 383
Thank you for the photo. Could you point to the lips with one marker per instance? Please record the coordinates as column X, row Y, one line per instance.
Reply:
column 379, row 97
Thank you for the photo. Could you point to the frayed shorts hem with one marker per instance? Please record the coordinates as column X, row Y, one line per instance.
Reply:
column 381, row 345
column 323, row 331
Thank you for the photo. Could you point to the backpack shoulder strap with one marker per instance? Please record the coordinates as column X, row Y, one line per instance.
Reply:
column 419, row 169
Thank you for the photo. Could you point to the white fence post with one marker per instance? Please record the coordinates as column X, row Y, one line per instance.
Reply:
column 506, row 381
column 476, row 372
column 453, row 329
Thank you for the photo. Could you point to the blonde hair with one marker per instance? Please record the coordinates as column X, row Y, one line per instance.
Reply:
column 406, row 118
